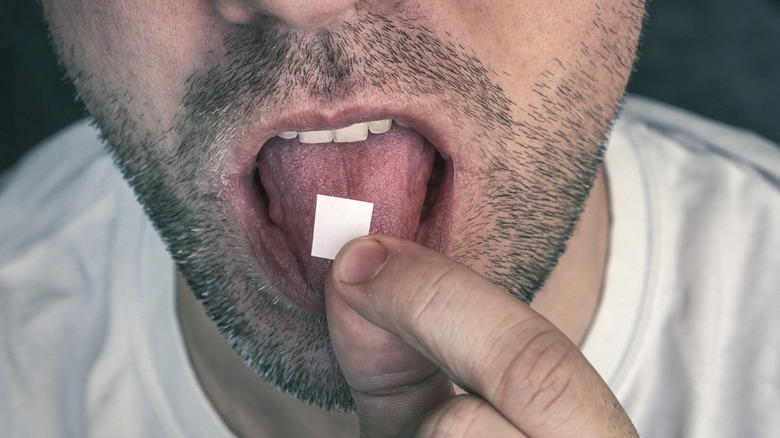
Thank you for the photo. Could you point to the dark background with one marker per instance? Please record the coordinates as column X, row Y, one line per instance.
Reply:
column 719, row 58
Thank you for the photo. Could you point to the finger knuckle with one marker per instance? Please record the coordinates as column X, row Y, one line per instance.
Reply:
column 434, row 284
column 539, row 375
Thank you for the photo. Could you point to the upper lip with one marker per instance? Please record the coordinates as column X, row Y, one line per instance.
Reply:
column 335, row 117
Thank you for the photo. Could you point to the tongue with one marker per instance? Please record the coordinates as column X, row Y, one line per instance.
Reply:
column 390, row 170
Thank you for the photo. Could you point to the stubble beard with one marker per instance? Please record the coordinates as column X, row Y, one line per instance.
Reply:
column 539, row 163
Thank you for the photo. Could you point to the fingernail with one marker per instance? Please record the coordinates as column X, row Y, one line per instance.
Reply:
column 360, row 260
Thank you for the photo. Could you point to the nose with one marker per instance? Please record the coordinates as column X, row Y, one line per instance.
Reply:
column 298, row 13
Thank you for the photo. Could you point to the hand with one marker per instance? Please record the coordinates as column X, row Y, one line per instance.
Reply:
column 404, row 320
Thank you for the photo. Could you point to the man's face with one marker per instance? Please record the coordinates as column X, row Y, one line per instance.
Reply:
column 504, row 106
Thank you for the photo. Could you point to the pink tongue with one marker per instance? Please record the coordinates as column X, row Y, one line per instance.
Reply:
column 390, row 170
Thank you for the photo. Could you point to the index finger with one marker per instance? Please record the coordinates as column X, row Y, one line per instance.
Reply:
column 485, row 339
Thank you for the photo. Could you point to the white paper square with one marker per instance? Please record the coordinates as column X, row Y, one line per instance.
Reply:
column 336, row 222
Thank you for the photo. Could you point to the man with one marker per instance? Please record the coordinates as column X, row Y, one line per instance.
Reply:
column 477, row 131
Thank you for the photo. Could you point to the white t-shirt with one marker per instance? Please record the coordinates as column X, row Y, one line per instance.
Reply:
column 686, row 332
column 89, row 341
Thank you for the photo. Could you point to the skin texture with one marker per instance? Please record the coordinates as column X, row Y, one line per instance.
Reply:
column 518, row 95
column 524, row 377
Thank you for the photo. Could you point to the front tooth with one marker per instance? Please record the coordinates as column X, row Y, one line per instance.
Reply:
column 356, row 132
column 380, row 126
column 315, row 136
column 288, row 135
column 401, row 124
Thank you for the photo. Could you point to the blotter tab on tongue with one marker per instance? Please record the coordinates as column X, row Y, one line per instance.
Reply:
column 336, row 222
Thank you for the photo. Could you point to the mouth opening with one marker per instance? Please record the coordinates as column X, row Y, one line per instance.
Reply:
column 434, row 184
column 261, row 193
column 399, row 171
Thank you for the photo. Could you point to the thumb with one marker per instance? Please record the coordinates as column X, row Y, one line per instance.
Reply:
column 525, row 369
column 392, row 384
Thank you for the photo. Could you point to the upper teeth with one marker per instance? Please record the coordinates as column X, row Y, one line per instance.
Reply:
column 356, row 132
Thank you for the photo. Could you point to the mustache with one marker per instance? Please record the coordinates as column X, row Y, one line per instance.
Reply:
column 263, row 69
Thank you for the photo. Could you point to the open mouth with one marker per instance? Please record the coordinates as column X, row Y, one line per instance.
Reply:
column 385, row 162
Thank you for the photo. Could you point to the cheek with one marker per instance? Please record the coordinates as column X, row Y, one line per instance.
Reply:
column 141, row 48
column 524, row 40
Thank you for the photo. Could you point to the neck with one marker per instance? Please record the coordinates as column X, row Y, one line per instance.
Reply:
column 248, row 404
column 570, row 296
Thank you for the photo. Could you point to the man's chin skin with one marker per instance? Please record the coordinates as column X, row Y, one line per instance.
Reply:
column 244, row 400
column 512, row 164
